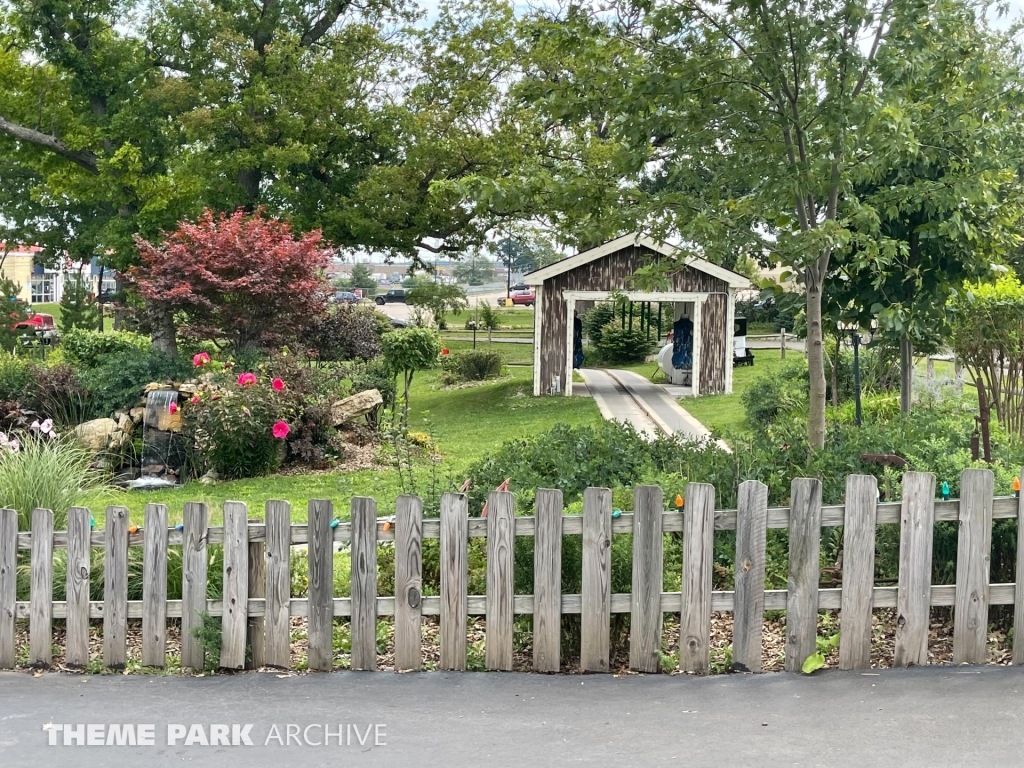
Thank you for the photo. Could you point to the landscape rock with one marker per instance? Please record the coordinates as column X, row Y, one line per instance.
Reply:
column 356, row 405
column 98, row 434
column 210, row 477
column 137, row 414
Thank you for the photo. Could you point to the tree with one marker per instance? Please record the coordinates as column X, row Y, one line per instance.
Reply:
column 77, row 308
column 439, row 298
column 475, row 270
column 241, row 281
column 988, row 336
column 362, row 277
column 15, row 312
column 487, row 318
column 342, row 333
column 739, row 127
column 407, row 350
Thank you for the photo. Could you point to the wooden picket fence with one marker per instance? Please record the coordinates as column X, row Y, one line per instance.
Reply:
column 257, row 604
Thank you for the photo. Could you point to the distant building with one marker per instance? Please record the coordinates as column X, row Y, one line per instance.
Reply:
column 43, row 285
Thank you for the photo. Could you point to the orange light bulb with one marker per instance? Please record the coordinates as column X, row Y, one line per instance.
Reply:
column 679, row 500
column 1016, row 483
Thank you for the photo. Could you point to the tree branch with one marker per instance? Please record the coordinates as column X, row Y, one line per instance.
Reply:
column 320, row 27
column 81, row 157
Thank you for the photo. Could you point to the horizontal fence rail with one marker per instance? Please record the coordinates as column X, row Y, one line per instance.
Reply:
column 256, row 605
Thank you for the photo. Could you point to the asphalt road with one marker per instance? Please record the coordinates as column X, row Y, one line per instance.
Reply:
column 920, row 717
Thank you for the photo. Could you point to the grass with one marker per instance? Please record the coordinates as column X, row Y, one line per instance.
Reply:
column 55, row 310
column 724, row 413
column 512, row 353
column 467, row 424
column 514, row 318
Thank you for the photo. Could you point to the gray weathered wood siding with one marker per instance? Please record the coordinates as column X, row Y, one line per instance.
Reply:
column 611, row 273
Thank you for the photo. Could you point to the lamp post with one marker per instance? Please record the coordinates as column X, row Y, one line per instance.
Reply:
column 856, row 339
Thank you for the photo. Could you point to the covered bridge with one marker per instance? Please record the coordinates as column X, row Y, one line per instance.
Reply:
column 702, row 292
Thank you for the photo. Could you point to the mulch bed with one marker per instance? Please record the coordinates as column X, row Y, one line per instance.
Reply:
column 940, row 646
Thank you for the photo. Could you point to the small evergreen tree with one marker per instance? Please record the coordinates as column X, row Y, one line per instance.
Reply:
column 16, row 311
column 77, row 308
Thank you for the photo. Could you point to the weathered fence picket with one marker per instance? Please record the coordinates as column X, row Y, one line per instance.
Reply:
column 748, row 595
column 500, row 582
column 363, row 623
column 277, row 623
column 76, row 652
column 234, row 619
column 596, row 598
column 547, row 582
column 454, row 580
column 917, row 522
column 257, row 608
column 645, row 613
column 698, row 560
column 974, row 550
column 154, row 587
column 858, row 572
column 319, row 633
column 408, row 583
column 193, row 582
column 8, row 585
column 804, row 571
column 115, row 589
column 41, row 621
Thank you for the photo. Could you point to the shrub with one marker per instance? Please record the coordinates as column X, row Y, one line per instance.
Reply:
column 406, row 351
column 92, row 348
column 232, row 426
column 45, row 474
column 596, row 319
column 440, row 299
column 117, row 383
column 471, row 365
column 618, row 345
column 77, row 308
column 15, row 377
column 346, row 333
column 774, row 395
column 57, row 392
column 10, row 339
column 373, row 374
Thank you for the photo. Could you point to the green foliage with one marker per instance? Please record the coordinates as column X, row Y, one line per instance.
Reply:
column 988, row 336
column 439, row 298
column 618, row 345
column 488, row 318
column 92, row 348
column 46, row 474
column 118, row 381
column 471, row 365
column 77, row 308
column 10, row 339
column 407, row 350
column 475, row 270
column 15, row 377
column 231, row 428
column 596, row 319
column 362, row 277
column 770, row 397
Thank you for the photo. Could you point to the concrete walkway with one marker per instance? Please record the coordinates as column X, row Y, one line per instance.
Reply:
column 925, row 716
column 628, row 396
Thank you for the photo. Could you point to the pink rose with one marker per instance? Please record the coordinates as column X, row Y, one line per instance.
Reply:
column 200, row 360
column 194, row 400
column 277, row 384
column 281, row 430
column 172, row 408
column 246, row 379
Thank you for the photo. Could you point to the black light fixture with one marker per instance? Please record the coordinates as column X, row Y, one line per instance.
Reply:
column 857, row 337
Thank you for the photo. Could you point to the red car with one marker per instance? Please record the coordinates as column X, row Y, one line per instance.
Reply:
column 41, row 326
column 526, row 298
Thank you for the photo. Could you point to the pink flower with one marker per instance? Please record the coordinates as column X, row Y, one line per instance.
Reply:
column 200, row 360
column 194, row 400
column 172, row 408
column 281, row 430
column 246, row 379
column 46, row 427
column 215, row 397
column 277, row 384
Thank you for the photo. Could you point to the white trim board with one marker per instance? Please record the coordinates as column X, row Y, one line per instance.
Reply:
column 538, row 314
column 732, row 279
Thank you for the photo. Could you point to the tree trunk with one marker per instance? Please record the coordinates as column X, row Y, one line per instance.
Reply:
column 163, row 332
column 815, row 365
column 906, row 372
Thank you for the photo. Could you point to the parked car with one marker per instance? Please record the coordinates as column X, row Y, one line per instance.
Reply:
column 392, row 296
column 37, row 329
column 520, row 287
column 526, row 297
column 345, row 297
column 397, row 322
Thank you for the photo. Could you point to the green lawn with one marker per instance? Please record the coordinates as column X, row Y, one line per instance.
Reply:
column 512, row 353
column 466, row 423
column 513, row 318
column 724, row 413
column 54, row 309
